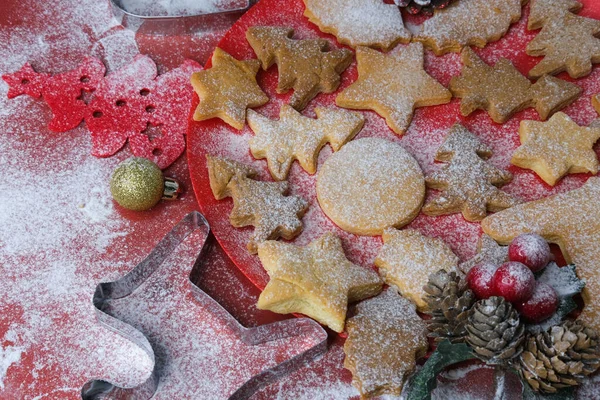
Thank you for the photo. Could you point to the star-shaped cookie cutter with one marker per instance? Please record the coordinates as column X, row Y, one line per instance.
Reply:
column 310, row 339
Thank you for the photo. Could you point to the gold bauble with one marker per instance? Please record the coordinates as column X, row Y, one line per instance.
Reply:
column 137, row 184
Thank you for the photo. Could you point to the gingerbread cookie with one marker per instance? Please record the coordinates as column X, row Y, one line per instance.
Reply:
column 468, row 183
column 557, row 147
column 567, row 41
column 468, row 23
column 407, row 258
column 227, row 89
column 393, row 85
column 488, row 251
column 316, row 280
column 571, row 220
column 220, row 172
column 369, row 185
column 304, row 65
column 359, row 22
column 543, row 11
column 260, row 204
column 295, row 137
column 385, row 338
column 502, row 91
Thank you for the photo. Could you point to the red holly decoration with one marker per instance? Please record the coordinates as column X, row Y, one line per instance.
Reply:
column 530, row 249
column 514, row 281
column 480, row 280
column 542, row 304
column 132, row 103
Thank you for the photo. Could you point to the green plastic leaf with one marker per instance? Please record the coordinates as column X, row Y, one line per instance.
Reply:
column 565, row 282
column 424, row 381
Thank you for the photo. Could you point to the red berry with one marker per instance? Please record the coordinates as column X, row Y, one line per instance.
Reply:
column 514, row 281
column 542, row 304
column 530, row 249
column 479, row 279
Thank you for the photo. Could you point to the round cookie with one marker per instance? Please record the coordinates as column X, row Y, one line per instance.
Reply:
column 369, row 185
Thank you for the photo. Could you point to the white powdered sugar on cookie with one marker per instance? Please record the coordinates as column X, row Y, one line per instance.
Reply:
column 369, row 185
column 385, row 338
column 359, row 22
column 407, row 258
column 570, row 219
column 469, row 23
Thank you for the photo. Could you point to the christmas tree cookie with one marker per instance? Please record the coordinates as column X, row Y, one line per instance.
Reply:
column 303, row 65
column 385, row 338
column 296, row 137
column 468, row 23
column 468, row 183
column 567, row 41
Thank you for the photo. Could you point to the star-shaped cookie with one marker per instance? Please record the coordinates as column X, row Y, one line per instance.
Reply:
column 571, row 220
column 227, row 89
column 393, row 85
column 316, row 280
column 296, row 137
column 556, row 147
column 407, row 258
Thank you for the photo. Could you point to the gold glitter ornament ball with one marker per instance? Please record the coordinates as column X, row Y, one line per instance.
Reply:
column 137, row 184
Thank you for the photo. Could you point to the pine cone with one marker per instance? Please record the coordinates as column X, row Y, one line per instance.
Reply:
column 424, row 6
column 495, row 331
column 449, row 304
column 560, row 357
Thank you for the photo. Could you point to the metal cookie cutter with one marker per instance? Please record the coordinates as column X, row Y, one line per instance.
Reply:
column 149, row 307
column 228, row 11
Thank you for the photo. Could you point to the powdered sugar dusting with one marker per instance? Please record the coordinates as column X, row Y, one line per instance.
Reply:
column 359, row 23
column 473, row 22
column 9, row 355
column 407, row 259
column 385, row 338
column 370, row 184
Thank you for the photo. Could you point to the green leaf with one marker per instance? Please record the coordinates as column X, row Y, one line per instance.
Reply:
column 565, row 282
column 424, row 381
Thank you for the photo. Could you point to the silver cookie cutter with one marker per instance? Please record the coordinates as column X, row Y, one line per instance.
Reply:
column 173, row 25
column 105, row 292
